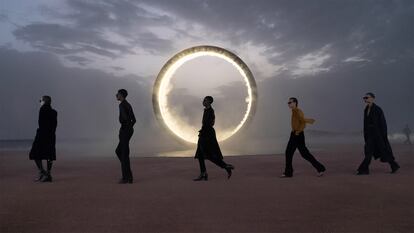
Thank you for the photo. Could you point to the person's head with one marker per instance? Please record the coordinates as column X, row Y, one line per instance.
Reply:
column 293, row 103
column 121, row 95
column 45, row 100
column 207, row 101
column 369, row 98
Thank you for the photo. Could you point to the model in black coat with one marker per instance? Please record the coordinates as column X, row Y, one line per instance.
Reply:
column 376, row 137
column 44, row 144
column 207, row 146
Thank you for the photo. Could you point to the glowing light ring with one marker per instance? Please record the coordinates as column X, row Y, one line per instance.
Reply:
column 162, row 87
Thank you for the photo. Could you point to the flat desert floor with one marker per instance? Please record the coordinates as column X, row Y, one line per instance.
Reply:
column 85, row 196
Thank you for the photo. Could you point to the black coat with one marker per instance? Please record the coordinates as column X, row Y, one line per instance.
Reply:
column 44, row 143
column 207, row 146
column 375, row 134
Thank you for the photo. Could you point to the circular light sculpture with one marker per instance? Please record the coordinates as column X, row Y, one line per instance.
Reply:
column 162, row 87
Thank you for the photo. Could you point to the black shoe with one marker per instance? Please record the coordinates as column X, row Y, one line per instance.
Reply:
column 122, row 181
column 229, row 169
column 321, row 172
column 201, row 177
column 394, row 168
column 46, row 178
column 130, row 181
column 284, row 175
column 361, row 173
column 40, row 177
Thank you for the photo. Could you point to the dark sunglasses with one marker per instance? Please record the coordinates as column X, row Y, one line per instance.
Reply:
column 365, row 97
column 290, row 102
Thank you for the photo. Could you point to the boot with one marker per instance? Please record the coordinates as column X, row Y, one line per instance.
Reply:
column 202, row 176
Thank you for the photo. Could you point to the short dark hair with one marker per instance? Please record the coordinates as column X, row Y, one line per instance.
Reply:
column 47, row 99
column 294, row 100
column 209, row 98
column 370, row 94
column 123, row 92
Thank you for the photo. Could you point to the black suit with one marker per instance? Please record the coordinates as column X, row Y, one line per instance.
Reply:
column 376, row 138
column 127, row 120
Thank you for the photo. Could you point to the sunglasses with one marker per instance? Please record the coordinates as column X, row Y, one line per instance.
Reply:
column 365, row 97
column 290, row 102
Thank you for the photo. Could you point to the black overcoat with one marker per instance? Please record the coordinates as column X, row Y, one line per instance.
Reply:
column 207, row 146
column 44, row 143
column 375, row 134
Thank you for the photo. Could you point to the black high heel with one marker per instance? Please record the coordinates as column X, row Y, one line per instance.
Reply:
column 229, row 169
column 202, row 177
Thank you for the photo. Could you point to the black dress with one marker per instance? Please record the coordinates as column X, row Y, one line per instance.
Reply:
column 207, row 146
column 43, row 147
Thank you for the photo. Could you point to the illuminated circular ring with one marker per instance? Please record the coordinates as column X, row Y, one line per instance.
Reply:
column 162, row 87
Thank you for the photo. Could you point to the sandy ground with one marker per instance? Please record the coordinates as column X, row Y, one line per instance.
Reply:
column 85, row 196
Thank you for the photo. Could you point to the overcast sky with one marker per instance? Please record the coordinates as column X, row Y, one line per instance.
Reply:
column 327, row 53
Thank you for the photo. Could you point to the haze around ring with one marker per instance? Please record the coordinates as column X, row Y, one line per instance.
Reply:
column 182, row 130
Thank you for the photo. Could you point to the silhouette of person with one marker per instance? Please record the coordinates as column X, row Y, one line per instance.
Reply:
column 127, row 120
column 44, row 144
column 407, row 132
column 297, row 141
column 376, row 137
column 207, row 146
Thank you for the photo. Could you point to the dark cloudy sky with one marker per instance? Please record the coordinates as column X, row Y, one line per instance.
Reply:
column 327, row 53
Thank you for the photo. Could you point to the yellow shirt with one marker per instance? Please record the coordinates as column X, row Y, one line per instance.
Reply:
column 299, row 121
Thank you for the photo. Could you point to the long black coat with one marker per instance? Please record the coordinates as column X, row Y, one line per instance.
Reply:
column 207, row 146
column 375, row 134
column 44, row 143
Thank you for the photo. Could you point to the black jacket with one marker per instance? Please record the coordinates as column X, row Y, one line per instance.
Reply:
column 376, row 135
column 44, row 143
column 126, row 115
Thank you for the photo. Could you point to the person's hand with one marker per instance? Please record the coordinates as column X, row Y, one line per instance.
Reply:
column 311, row 121
column 297, row 133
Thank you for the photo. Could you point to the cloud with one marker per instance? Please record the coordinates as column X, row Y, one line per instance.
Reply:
column 64, row 40
column 356, row 59
column 377, row 29
column 77, row 59
column 312, row 63
column 108, row 29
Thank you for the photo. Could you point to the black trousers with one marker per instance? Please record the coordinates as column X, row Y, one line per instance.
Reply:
column 218, row 162
column 364, row 166
column 122, row 151
column 298, row 142
column 369, row 153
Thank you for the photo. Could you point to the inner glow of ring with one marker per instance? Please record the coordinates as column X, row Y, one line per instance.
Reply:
column 176, row 126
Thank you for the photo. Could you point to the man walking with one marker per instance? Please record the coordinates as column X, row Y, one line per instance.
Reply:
column 376, row 137
column 127, row 120
column 297, row 141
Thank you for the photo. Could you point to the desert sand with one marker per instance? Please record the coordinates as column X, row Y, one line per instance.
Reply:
column 85, row 196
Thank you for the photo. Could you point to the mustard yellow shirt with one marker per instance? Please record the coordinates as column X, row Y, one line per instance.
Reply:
column 299, row 121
